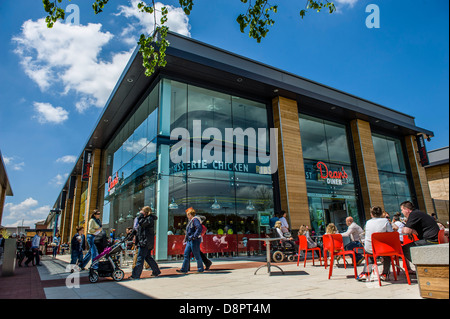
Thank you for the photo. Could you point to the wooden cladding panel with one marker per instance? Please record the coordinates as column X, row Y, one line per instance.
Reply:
column 433, row 281
column 291, row 171
column 75, row 217
column 419, row 176
column 367, row 165
column 438, row 181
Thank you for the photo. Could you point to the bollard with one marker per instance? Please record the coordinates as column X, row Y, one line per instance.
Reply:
column 9, row 257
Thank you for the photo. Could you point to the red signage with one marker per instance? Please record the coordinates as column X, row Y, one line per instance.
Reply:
column 328, row 174
column 86, row 166
column 113, row 182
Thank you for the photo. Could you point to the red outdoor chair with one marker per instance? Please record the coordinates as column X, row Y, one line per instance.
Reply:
column 442, row 239
column 406, row 239
column 388, row 245
column 334, row 243
column 303, row 245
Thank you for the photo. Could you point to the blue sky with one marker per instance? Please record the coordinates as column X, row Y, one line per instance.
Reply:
column 54, row 83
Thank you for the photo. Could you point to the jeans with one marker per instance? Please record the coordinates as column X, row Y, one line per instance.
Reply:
column 194, row 247
column 76, row 257
column 352, row 245
column 144, row 254
column 55, row 251
column 92, row 252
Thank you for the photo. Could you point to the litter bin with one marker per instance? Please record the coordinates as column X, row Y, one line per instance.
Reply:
column 9, row 257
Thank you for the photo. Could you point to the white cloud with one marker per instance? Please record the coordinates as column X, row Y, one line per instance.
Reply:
column 67, row 159
column 14, row 163
column 69, row 55
column 341, row 4
column 59, row 179
column 177, row 21
column 350, row 3
column 29, row 211
column 46, row 113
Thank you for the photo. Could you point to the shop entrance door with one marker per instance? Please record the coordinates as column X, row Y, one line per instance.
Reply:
column 335, row 212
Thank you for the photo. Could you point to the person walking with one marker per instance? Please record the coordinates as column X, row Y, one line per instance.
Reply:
column 77, row 245
column 55, row 243
column 145, row 234
column 20, row 245
column 193, row 241
column 34, row 255
column 2, row 245
column 94, row 228
column 206, row 261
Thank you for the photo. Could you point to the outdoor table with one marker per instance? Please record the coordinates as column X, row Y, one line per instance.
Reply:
column 267, row 240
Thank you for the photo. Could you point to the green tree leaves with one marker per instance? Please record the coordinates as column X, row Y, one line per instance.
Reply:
column 318, row 6
column 54, row 12
column 257, row 18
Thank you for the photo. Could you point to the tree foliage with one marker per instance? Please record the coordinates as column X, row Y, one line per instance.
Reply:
column 257, row 19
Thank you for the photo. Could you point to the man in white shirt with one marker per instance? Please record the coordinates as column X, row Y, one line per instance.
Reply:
column 354, row 231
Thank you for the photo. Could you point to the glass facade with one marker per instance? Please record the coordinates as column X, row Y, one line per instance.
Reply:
column 225, row 175
column 394, row 182
column 131, row 167
column 235, row 197
column 329, row 175
column 231, row 195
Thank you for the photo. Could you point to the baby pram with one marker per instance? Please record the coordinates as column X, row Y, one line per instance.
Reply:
column 108, row 262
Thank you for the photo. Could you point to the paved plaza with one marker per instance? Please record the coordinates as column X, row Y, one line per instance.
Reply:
column 229, row 278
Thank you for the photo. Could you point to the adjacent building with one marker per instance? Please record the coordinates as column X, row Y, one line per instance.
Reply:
column 336, row 154
column 5, row 187
column 437, row 174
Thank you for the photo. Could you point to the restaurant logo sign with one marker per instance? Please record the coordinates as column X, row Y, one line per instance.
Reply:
column 339, row 177
column 113, row 182
column 87, row 158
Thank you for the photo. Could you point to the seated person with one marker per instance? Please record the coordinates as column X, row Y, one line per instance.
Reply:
column 283, row 236
column 331, row 229
column 420, row 224
column 354, row 231
column 377, row 224
column 304, row 231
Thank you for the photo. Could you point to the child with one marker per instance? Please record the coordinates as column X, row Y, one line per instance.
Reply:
column 77, row 245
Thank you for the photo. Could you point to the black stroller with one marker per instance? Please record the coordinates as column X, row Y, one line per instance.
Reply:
column 108, row 260
column 283, row 249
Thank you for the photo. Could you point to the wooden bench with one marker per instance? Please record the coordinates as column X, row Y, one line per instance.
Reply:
column 432, row 270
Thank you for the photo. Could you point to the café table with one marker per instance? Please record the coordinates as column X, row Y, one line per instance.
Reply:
column 268, row 265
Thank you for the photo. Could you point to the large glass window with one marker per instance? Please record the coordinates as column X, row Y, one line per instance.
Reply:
column 392, row 172
column 232, row 196
column 329, row 173
column 131, row 167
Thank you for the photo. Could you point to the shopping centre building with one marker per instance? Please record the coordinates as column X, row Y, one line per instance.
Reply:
column 336, row 154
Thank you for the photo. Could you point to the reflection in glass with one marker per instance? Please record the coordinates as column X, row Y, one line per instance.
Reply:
column 394, row 182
